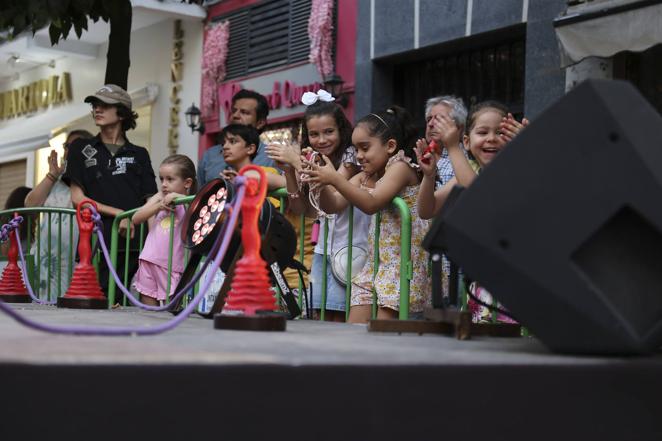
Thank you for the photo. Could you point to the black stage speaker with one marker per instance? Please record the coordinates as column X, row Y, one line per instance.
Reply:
column 564, row 227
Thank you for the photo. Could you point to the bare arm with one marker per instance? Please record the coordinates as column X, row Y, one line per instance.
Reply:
column 331, row 201
column 147, row 211
column 394, row 180
column 275, row 181
column 38, row 195
column 464, row 174
column 77, row 196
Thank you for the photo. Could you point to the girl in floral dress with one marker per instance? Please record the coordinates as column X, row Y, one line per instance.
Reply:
column 384, row 143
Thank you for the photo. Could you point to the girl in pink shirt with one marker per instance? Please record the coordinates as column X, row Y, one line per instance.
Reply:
column 177, row 176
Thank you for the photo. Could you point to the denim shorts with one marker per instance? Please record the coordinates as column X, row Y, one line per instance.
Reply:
column 335, row 292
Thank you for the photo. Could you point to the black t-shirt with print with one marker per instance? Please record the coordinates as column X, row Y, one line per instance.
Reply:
column 123, row 180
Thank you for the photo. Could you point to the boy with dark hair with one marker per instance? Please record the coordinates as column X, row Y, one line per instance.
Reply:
column 110, row 170
column 240, row 149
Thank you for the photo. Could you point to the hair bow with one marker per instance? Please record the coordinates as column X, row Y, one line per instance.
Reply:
column 309, row 98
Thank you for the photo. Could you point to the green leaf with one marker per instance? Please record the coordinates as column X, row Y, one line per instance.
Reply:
column 54, row 33
column 80, row 23
column 66, row 27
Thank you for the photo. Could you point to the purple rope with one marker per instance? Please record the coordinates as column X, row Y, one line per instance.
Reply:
column 9, row 227
column 171, row 324
column 26, row 282
column 4, row 235
column 135, row 301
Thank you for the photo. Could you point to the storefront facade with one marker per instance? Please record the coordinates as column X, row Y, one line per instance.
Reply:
column 41, row 104
column 281, row 72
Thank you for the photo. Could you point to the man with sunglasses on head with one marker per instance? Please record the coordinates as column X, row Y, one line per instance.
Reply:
column 110, row 170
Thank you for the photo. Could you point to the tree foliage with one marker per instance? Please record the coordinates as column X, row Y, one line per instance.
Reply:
column 63, row 16
column 19, row 16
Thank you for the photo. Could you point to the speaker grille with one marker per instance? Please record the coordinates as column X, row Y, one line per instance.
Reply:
column 623, row 261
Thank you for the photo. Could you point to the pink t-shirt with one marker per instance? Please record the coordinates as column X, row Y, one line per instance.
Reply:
column 157, row 243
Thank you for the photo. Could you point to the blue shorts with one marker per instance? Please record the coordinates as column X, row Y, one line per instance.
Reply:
column 335, row 292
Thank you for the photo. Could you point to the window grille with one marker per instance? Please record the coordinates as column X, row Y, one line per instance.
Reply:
column 266, row 35
column 493, row 72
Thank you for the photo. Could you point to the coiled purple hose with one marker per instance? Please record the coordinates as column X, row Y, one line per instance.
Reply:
column 171, row 324
column 4, row 236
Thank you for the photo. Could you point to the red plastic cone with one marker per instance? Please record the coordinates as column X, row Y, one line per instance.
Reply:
column 250, row 295
column 84, row 290
column 12, row 288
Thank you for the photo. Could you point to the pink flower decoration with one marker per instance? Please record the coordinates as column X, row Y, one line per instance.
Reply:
column 214, row 55
column 320, row 32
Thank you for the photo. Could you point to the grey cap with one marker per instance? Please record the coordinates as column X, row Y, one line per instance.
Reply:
column 111, row 94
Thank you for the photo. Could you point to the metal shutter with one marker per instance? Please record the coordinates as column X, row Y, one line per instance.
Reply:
column 266, row 35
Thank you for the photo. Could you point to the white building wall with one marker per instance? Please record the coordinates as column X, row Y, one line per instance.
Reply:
column 151, row 56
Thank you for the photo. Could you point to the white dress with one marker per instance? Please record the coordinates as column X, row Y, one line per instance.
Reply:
column 60, row 197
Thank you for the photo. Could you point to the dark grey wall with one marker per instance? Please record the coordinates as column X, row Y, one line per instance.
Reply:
column 444, row 21
column 363, row 81
column 394, row 26
column 545, row 80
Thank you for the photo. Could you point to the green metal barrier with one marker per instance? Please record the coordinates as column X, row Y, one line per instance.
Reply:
column 34, row 263
column 281, row 194
column 114, row 247
column 406, row 267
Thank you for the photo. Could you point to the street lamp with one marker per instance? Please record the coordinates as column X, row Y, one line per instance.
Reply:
column 193, row 119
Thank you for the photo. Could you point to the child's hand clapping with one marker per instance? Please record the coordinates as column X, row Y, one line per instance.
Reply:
column 320, row 172
column 510, row 127
column 285, row 155
column 429, row 167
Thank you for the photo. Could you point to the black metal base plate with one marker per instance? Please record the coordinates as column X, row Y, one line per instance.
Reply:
column 259, row 322
column 15, row 298
column 412, row 326
column 82, row 303
column 496, row 329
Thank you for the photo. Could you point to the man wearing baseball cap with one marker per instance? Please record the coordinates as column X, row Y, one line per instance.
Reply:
column 110, row 170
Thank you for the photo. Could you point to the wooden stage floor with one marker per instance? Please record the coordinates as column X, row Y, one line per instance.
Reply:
column 316, row 381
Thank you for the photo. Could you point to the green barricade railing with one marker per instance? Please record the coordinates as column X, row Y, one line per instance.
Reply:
column 34, row 217
column 48, row 214
column 114, row 247
column 406, row 267
column 281, row 194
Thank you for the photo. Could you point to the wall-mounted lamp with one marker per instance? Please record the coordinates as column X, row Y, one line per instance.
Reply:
column 334, row 85
column 193, row 119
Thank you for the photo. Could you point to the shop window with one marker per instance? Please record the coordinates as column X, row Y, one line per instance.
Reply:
column 286, row 133
column 12, row 175
column 643, row 70
column 489, row 72
column 267, row 35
